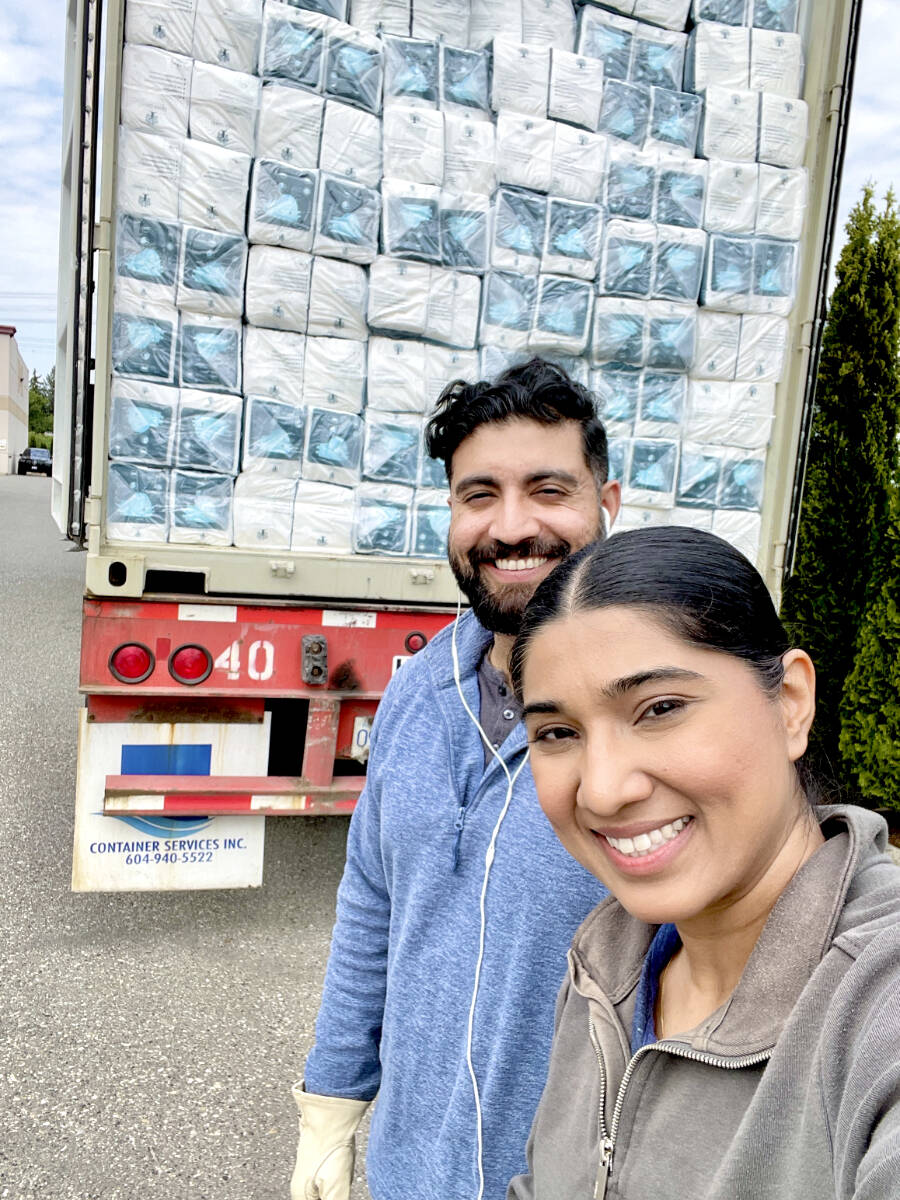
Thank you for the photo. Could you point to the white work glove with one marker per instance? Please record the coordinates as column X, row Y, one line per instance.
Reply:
column 327, row 1147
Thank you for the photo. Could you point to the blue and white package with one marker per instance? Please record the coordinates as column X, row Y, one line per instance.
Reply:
column 395, row 375
column 652, row 472
column 208, row 436
column 619, row 449
column 726, row 12
column 213, row 267
column 381, row 518
column 391, row 451
column 334, row 374
column 783, row 130
column 671, row 335
column 628, row 253
column 775, row 14
column 273, row 436
column 144, row 337
column 730, row 125
column 278, row 288
column 609, row 38
column 410, row 226
column 224, row 107
column 465, row 224
column 432, row 473
column 776, row 62
column 625, row 111
column 681, row 192
column 411, row 71
column 156, row 91
column 464, row 78
column 149, row 174
column 658, row 57
column 729, row 274
column 470, row 153
column 334, row 445
column 431, row 524
column 754, row 407
column 354, row 67
column 579, row 163
column 662, row 404
column 630, row 183
column 680, row 258
column 322, row 519
column 717, row 54
column 576, row 89
column 710, row 411
column 510, row 301
column 783, row 196
column 273, row 363
column 282, row 205
column 572, row 244
column 213, row 185
column 414, row 144
column 618, row 392
column 337, row 300
column 142, row 422
column 351, row 144
column 763, row 347
column 137, row 503
column 398, row 296
column 348, row 220
column 293, row 46
column 289, row 126
column 732, row 199
column 774, row 276
column 670, row 14
column 454, row 302
column 718, row 340
column 699, row 476
column 228, row 34
column 156, row 23
column 210, row 353
column 743, row 480
column 563, row 318
column 619, row 331
column 675, row 119
column 520, row 220
column 525, row 148
column 200, row 508
column 520, row 80
column 147, row 255
column 263, row 511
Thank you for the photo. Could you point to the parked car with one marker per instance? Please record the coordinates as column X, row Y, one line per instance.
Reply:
column 35, row 460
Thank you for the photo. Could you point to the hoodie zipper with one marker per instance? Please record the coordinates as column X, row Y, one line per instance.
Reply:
column 607, row 1138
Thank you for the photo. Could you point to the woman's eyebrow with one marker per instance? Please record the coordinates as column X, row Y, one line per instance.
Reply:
column 619, row 687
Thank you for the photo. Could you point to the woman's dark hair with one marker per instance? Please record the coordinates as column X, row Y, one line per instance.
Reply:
column 693, row 582
column 538, row 390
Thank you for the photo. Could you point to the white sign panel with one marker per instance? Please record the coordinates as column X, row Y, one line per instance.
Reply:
column 162, row 853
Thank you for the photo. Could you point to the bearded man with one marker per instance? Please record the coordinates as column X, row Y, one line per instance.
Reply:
column 457, row 903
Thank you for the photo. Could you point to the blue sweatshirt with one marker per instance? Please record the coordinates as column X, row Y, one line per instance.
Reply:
column 401, row 972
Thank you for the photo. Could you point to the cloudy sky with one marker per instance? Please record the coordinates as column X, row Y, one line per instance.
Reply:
column 31, row 70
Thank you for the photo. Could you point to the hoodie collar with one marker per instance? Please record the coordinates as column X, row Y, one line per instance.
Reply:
column 795, row 938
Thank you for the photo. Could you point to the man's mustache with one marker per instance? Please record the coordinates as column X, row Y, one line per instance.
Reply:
column 530, row 548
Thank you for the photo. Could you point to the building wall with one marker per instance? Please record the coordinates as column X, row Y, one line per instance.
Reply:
column 13, row 402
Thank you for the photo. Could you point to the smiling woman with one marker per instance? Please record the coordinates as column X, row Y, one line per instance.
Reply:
column 740, row 989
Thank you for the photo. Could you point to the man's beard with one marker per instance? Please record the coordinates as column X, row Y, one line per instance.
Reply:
column 501, row 610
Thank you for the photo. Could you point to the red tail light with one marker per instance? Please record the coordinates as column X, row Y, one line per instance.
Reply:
column 190, row 664
column 131, row 663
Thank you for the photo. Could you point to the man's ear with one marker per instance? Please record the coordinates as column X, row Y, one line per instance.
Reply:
column 610, row 503
column 798, row 700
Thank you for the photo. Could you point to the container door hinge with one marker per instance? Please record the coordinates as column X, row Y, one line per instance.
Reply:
column 282, row 568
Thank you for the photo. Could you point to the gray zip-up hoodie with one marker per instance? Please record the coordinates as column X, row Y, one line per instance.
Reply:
column 789, row 1091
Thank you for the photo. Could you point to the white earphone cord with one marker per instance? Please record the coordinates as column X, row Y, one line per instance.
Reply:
column 488, row 862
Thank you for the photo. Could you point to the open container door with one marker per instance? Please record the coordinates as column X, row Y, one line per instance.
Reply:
column 73, row 402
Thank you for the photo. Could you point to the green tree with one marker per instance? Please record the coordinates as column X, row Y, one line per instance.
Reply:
column 851, row 465
column 870, row 710
column 40, row 405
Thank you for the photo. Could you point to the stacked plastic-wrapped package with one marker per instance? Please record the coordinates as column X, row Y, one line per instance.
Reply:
column 326, row 211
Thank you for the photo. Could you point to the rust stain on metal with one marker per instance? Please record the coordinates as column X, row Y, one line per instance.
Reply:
column 344, row 677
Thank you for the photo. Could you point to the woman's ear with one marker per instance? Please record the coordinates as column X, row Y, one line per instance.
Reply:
column 798, row 700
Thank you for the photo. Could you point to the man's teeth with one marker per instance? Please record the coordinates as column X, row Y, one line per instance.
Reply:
column 518, row 564
column 638, row 846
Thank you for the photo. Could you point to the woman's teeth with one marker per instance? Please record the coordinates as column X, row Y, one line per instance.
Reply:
column 638, row 846
column 518, row 564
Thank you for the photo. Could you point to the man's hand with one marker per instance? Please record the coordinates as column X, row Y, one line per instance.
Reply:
column 327, row 1148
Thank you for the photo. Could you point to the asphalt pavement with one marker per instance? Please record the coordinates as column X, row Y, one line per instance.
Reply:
column 148, row 1041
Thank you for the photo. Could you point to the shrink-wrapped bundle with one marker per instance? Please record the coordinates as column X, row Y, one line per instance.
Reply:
column 762, row 349
column 289, row 127
column 396, row 370
column 681, row 192
column 351, row 143
column 162, row 24
column 293, row 46
column 200, row 508
column 608, row 37
column 572, row 245
column 213, row 187
column 470, row 154
column 717, row 55
column 510, row 300
column 411, row 71
column 718, row 340
column 147, row 258
column 618, row 392
column 730, row 126
column 576, row 89
column 282, row 205
column 156, row 91
column 382, row 16
column 521, row 78
column 658, row 57
column 464, row 78
column 431, row 524
column 446, row 20
column 263, row 511
column 381, row 518
column 410, row 225
column 630, row 183
column 274, row 432
column 144, row 339
column 549, row 23
column 465, row 225
column 652, row 472
column 337, row 300
column 776, row 62
column 562, row 320
column 209, row 353
column 680, row 258
column 625, row 111
column 213, row 268
column 783, row 130
column 661, row 407
column 322, row 519
column 142, row 420
column 278, row 288
column 224, row 107
column 671, row 335
column 334, row 374
column 675, row 119
column 519, row 230
column 348, row 219
column 208, row 436
column 391, row 450
column 732, row 197
column 619, row 334
column 783, row 196
column 579, row 163
column 334, row 444
column 227, row 32
column 628, row 253
column 137, row 503
column 354, row 67
column 729, row 273
column 149, row 174
column 273, row 363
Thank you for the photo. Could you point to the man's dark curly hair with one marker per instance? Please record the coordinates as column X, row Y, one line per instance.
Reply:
column 538, row 390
